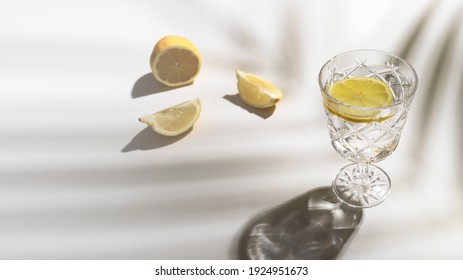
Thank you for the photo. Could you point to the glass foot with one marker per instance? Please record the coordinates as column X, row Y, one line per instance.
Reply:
column 361, row 186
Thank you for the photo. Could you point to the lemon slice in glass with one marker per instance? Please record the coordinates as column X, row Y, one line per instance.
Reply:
column 175, row 61
column 256, row 91
column 363, row 92
column 174, row 120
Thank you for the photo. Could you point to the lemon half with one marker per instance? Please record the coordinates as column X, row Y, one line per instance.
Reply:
column 256, row 91
column 175, row 61
column 174, row 120
column 362, row 92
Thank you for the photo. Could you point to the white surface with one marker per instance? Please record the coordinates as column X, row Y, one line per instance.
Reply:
column 80, row 177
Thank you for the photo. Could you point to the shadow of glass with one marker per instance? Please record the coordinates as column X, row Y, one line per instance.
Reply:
column 147, row 139
column 147, row 85
column 263, row 113
column 314, row 225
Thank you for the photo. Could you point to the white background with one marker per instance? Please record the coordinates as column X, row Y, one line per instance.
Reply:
column 81, row 178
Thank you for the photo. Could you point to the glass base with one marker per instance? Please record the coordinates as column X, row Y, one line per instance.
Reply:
column 361, row 186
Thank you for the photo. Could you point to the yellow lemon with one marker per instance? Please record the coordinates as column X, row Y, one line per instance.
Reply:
column 174, row 120
column 175, row 61
column 256, row 91
column 362, row 92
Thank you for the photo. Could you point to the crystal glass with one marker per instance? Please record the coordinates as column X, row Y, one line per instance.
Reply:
column 366, row 135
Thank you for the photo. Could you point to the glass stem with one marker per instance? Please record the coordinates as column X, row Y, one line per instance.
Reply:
column 362, row 173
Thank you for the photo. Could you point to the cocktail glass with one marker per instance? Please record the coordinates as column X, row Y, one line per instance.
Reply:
column 366, row 135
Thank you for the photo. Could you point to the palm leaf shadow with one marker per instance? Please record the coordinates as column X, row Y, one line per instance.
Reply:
column 437, row 72
column 416, row 31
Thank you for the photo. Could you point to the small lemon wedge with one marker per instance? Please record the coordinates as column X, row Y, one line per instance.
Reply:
column 175, row 61
column 256, row 91
column 174, row 120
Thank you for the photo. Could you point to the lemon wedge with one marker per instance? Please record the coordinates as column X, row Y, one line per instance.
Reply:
column 174, row 120
column 256, row 91
column 175, row 61
column 363, row 92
